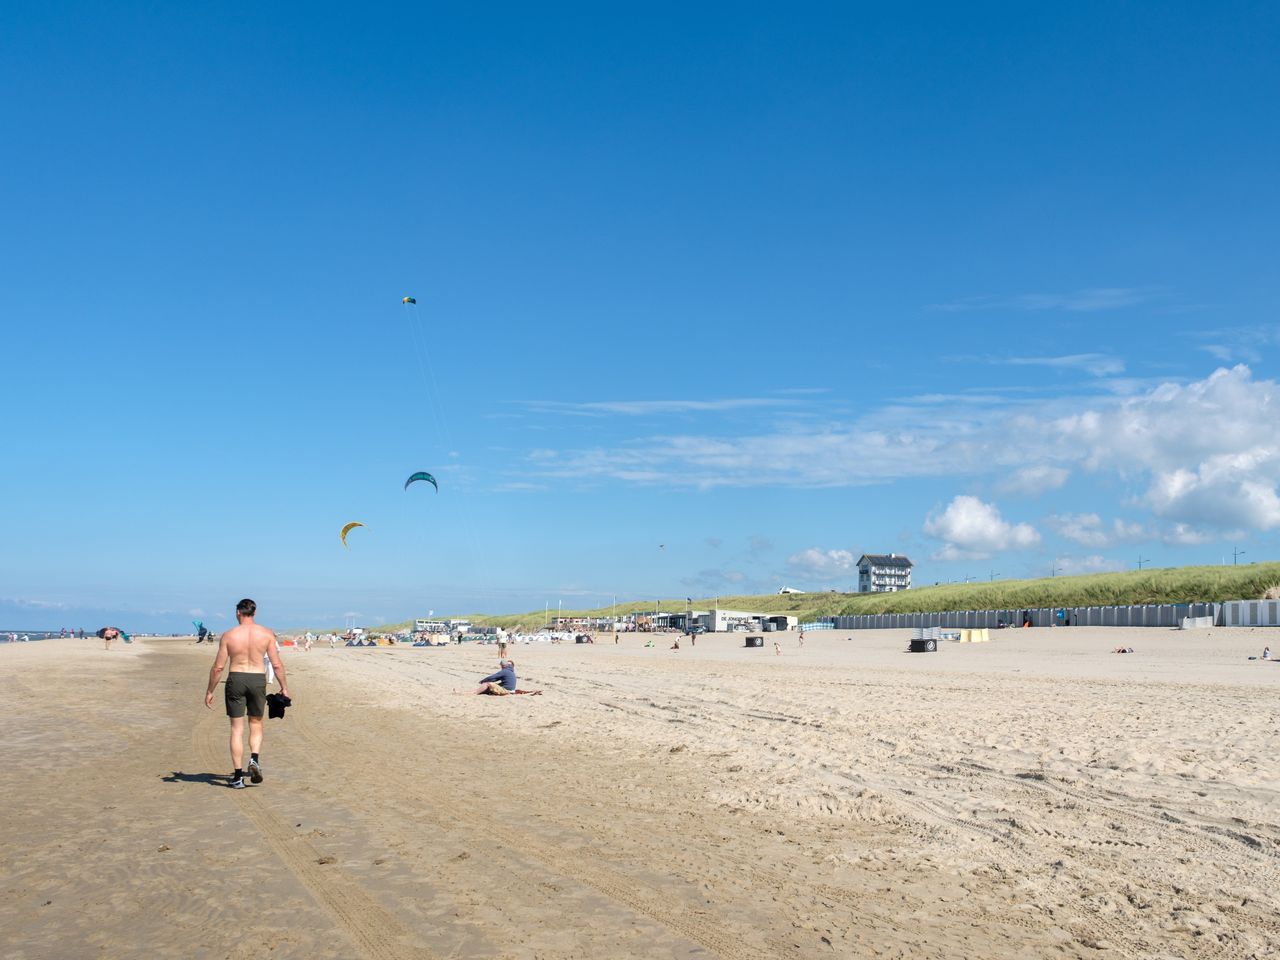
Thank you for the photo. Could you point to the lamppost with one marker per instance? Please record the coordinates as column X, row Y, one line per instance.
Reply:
column 1236, row 555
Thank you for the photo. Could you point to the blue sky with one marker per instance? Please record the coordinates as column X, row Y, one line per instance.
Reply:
column 993, row 286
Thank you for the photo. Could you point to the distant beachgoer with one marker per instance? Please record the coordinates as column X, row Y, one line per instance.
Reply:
column 499, row 684
column 244, row 648
column 802, row 638
column 1266, row 653
column 675, row 644
column 777, row 649
column 108, row 634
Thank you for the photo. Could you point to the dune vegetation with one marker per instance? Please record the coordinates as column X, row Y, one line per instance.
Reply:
column 1166, row 585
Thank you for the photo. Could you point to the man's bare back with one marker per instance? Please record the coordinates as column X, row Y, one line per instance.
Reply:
column 245, row 645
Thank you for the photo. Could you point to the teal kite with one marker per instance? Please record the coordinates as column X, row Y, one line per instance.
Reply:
column 422, row 475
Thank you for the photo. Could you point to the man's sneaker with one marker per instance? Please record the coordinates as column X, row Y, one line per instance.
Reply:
column 237, row 783
column 255, row 771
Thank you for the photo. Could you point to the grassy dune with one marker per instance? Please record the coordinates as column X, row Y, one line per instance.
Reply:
column 1170, row 585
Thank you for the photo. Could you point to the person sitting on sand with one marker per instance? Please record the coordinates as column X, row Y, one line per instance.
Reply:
column 499, row 684
column 675, row 644
column 1266, row 653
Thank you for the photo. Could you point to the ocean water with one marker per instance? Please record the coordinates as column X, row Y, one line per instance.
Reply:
column 6, row 634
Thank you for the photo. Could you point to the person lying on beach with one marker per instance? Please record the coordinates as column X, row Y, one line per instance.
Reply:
column 1123, row 650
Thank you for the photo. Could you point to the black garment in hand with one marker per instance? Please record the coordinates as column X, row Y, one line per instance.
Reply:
column 276, row 703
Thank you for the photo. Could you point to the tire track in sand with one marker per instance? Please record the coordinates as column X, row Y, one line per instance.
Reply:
column 374, row 932
column 438, row 805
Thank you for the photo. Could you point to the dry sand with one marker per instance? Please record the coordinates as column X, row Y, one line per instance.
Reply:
column 1034, row 796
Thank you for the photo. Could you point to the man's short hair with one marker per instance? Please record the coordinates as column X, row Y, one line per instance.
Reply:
column 246, row 608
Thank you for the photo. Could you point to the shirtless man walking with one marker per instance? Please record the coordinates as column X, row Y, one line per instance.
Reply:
column 245, row 646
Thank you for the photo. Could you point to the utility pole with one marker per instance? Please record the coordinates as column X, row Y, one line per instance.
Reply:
column 1053, row 569
column 1142, row 560
column 1236, row 554
column 993, row 576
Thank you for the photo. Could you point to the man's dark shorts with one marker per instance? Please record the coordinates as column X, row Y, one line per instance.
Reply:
column 246, row 693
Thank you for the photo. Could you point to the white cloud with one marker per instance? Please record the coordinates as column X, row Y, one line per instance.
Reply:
column 817, row 563
column 1233, row 344
column 1202, row 454
column 1207, row 448
column 1068, row 566
column 639, row 408
column 1088, row 529
column 1088, row 300
column 36, row 604
column 715, row 580
column 195, row 612
column 973, row 530
column 1030, row 481
column 1182, row 534
column 1097, row 364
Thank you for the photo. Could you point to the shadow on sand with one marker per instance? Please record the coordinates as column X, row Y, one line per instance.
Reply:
column 210, row 779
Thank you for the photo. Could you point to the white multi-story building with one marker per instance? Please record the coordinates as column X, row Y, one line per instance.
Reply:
column 883, row 573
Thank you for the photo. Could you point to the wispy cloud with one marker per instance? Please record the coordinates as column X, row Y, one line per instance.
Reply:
column 1088, row 300
column 1097, row 364
column 643, row 408
column 1094, row 563
column 1234, row 344
column 817, row 563
column 36, row 604
column 716, row 580
column 1089, row 530
column 1200, row 455
column 1030, row 481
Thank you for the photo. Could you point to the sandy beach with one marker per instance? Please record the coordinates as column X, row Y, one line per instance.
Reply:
column 1033, row 796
